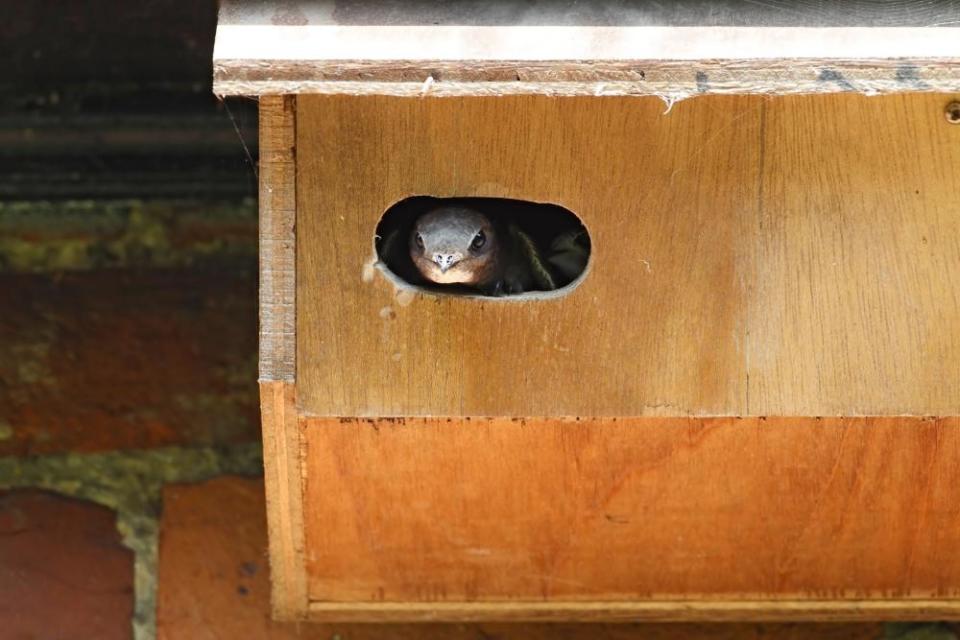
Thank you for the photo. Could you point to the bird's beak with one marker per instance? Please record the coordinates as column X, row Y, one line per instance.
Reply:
column 445, row 260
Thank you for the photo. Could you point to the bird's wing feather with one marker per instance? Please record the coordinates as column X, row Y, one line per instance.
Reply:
column 569, row 253
column 538, row 269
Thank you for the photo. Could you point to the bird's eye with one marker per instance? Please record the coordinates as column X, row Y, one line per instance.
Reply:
column 478, row 241
column 419, row 240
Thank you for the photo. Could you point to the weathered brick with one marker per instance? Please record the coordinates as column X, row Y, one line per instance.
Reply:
column 214, row 584
column 121, row 359
column 63, row 571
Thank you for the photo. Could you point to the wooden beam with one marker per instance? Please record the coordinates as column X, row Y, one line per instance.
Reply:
column 656, row 611
column 606, row 49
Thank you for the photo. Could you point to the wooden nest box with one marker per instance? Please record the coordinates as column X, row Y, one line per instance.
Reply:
column 746, row 408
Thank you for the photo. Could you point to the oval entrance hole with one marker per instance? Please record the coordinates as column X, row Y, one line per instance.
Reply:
column 483, row 246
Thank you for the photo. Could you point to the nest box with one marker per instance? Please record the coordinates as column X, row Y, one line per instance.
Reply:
column 746, row 407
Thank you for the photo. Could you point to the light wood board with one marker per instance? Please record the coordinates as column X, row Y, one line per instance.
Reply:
column 609, row 47
column 752, row 256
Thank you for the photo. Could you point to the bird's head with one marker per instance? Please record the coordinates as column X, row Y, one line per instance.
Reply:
column 454, row 245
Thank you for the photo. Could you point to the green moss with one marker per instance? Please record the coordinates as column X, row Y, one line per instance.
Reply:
column 918, row 631
column 220, row 413
column 31, row 361
column 90, row 234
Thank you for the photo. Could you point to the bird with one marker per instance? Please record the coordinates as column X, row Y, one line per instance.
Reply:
column 454, row 244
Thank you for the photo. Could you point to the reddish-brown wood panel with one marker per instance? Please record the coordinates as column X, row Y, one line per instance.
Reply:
column 486, row 510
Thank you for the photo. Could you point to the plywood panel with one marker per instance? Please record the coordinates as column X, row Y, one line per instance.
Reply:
column 853, row 301
column 657, row 325
column 806, row 244
column 646, row 511
column 603, row 47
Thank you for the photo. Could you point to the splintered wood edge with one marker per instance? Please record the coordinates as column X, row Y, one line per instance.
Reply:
column 283, row 479
column 278, row 208
column 651, row 611
column 670, row 62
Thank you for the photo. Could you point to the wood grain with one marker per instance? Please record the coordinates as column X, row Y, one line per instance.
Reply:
column 663, row 216
column 284, row 480
column 507, row 47
column 680, row 517
column 212, row 528
column 752, row 256
column 869, row 70
column 589, row 614
column 854, row 305
column 277, row 240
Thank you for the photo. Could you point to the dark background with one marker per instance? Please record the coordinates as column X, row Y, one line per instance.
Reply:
column 113, row 98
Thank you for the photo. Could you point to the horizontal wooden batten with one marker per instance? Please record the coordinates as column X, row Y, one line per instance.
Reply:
column 658, row 611
column 806, row 516
column 597, row 48
column 673, row 62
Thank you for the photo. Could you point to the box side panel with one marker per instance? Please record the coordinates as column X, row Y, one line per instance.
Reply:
column 509, row 47
column 462, row 513
column 752, row 256
column 657, row 326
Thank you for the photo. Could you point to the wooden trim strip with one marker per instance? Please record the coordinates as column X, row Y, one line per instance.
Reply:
column 278, row 208
column 282, row 436
column 662, row 80
column 556, row 60
column 651, row 611
column 283, row 477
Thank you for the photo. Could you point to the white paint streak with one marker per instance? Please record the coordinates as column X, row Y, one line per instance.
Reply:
column 563, row 43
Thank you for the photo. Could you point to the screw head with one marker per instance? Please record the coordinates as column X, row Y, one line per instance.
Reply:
column 952, row 112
